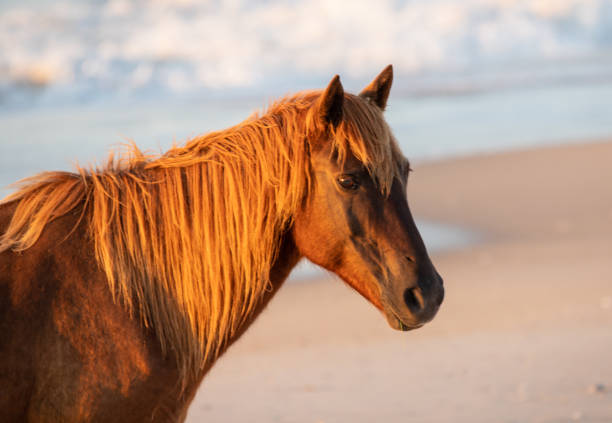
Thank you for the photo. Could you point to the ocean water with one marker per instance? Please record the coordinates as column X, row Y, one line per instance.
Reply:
column 78, row 78
column 431, row 127
column 76, row 50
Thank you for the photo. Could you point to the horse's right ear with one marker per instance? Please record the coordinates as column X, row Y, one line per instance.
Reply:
column 329, row 106
column 378, row 90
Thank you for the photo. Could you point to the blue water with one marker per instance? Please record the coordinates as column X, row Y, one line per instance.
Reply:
column 443, row 126
column 43, row 138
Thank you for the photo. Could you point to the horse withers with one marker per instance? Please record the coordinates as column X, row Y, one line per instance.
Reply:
column 121, row 285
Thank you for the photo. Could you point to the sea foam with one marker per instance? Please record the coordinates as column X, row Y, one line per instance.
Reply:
column 77, row 49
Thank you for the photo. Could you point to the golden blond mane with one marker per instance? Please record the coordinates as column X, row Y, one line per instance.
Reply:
column 187, row 239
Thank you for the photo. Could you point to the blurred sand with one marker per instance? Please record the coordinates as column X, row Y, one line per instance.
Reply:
column 524, row 334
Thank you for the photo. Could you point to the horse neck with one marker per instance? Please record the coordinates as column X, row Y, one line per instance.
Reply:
column 219, row 247
column 286, row 260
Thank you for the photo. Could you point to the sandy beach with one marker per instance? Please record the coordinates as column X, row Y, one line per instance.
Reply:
column 524, row 334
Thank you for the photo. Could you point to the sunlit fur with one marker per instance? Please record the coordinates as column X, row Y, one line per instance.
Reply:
column 187, row 239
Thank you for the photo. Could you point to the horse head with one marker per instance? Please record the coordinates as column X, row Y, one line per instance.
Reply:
column 355, row 220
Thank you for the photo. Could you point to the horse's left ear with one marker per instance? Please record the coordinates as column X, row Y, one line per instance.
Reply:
column 378, row 90
column 330, row 102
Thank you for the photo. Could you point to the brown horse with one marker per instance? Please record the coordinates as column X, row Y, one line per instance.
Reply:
column 120, row 286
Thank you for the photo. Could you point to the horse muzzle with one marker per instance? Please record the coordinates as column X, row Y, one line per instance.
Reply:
column 417, row 305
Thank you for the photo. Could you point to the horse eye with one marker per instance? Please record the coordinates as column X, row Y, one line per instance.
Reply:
column 348, row 182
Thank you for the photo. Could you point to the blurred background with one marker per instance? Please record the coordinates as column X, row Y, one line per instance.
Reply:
column 473, row 75
column 504, row 107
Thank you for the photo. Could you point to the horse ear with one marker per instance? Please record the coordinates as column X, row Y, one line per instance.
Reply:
column 330, row 102
column 378, row 90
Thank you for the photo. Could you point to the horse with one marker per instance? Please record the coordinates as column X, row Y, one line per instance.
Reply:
column 120, row 285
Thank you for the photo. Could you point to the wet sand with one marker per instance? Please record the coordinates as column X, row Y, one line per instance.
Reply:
column 524, row 334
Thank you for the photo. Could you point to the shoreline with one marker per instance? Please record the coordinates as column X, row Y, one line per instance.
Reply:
column 559, row 171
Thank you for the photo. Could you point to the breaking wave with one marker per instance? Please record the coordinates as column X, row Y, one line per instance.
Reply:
column 77, row 49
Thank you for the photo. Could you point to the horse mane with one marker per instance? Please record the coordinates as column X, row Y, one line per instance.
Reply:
column 187, row 239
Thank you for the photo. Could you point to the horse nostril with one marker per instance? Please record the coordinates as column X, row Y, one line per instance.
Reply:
column 414, row 299
column 410, row 259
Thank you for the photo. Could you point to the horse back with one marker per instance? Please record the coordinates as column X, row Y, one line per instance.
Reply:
column 68, row 352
